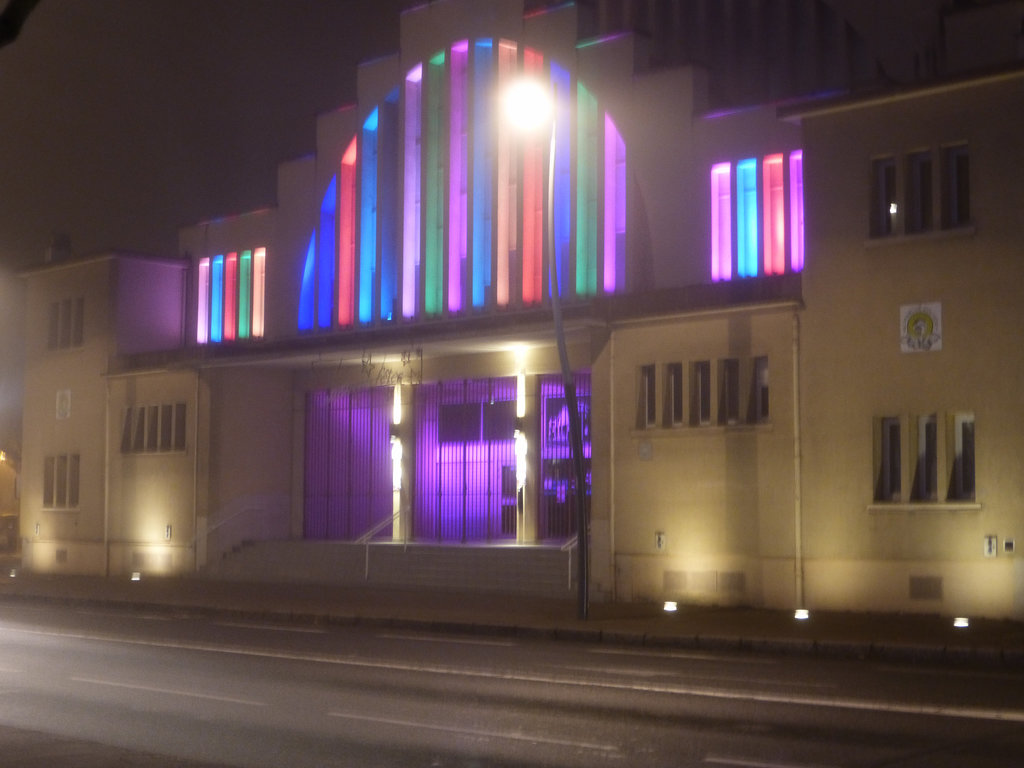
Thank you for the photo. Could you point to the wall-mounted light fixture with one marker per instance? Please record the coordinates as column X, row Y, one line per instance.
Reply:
column 801, row 614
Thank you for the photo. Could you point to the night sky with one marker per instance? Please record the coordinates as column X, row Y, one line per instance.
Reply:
column 123, row 120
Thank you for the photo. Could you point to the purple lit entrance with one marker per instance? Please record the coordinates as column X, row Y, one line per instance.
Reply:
column 556, row 515
column 465, row 461
column 348, row 463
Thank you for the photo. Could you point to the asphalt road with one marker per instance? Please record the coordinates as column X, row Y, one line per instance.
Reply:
column 242, row 694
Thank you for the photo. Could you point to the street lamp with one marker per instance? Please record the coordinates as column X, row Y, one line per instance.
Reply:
column 529, row 107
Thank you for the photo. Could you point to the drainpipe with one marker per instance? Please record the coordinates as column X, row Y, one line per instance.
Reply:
column 195, row 477
column 611, row 467
column 798, row 550
column 106, row 480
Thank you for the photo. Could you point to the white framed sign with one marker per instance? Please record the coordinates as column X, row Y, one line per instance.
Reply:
column 921, row 327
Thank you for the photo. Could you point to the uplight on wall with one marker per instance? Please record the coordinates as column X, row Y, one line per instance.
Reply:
column 961, row 622
column 671, row 606
column 801, row 614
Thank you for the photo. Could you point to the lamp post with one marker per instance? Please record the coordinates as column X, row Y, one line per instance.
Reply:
column 530, row 105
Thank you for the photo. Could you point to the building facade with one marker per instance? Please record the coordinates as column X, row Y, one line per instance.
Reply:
column 790, row 332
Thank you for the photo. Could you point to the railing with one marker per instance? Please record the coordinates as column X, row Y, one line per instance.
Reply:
column 569, row 546
column 365, row 539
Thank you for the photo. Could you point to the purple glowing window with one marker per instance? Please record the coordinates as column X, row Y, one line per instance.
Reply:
column 556, row 518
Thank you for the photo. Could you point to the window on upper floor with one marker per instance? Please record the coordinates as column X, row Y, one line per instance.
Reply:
column 65, row 323
column 60, row 481
column 904, row 192
column 700, row 393
column 925, row 485
column 153, row 428
column 646, row 405
column 759, row 406
column 888, row 464
column 230, row 293
column 960, row 436
column 757, row 216
column 673, row 394
column 729, row 391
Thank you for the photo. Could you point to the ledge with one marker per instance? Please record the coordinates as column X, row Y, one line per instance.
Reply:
column 950, row 233
column 925, row 506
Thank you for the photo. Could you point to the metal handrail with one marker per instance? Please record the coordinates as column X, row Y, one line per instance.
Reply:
column 365, row 539
column 569, row 546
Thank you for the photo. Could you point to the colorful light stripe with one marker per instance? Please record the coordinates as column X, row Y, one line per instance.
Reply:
column 614, row 208
column 562, row 208
column 746, row 218
column 457, row 173
column 533, row 199
column 347, row 235
column 774, row 215
column 411, row 190
column 721, row 221
column 259, row 291
column 325, row 249
column 507, row 192
column 588, row 161
column 796, row 210
column 483, row 162
column 245, row 294
column 307, row 294
column 434, row 188
column 387, row 206
column 368, row 220
column 203, row 301
column 217, row 299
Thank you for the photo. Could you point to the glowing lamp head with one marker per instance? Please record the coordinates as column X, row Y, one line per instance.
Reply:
column 801, row 614
column 529, row 105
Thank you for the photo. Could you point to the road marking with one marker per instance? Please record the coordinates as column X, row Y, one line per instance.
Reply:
column 270, row 627
column 645, row 672
column 533, row 739
column 170, row 691
column 867, row 705
column 688, row 655
column 456, row 640
column 742, row 763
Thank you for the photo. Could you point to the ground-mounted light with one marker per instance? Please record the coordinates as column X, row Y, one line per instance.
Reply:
column 801, row 614
column 13, row 573
column 671, row 606
column 136, row 576
column 961, row 622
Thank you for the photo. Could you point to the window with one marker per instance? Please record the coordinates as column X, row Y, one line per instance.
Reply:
column 887, row 459
column 673, row 394
column 729, row 394
column 60, row 481
column 919, row 192
column 646, row 406
column 65, row 323
column 961, row 437
column 700, row 393
column 925, row 486
column 883, row 197
column 956, row 187
column 759, row 411
column 154, row 428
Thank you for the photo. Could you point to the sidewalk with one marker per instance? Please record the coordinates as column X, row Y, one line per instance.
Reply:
column 905, row 637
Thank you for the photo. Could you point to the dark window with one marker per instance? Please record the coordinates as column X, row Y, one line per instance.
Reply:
column 700, row 393
column 883, row 197
column 961, row 484
column 926, row 472
column 956, row 202
column 887, row 487
column 919, row 192
column 759, row 404
column 646, row 407
column 673, row 394
column 729, row 399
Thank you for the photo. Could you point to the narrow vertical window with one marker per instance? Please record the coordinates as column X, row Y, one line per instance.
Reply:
column 434, row 187
column 60, row 494
column 796, row 210
column 368, row 219
column 126, row 430
column 166, row 426
column 49, row 480
column 179, row 427
column 507, row 225
column 533, row 199
column 152, row 427
column 483, row 163
column 614, row 208
column 729, row 395
column 259, row 290
column 139, row 438
column 73, row 472
column 759, row 402
column 721, row 222
column 230, row 296
column 925, row 486
column 673, row 394
column 883, row 197
column 78, row 322
column 956, row 203
column 888, row 485
column 457, row 173
column 746, row 218
column 774, row 215
column 962, row 478
column 588, row 161
column 347, row 235
column 700, row 393
column 217, row 299
column 646, row 406
column 411, row 190
column 203, row 301
column 245, row 295
column 919, row 192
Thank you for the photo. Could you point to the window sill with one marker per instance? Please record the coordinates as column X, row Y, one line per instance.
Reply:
column 933, row 235
column 882, row 507
column 688, row 430
column 61, row 510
